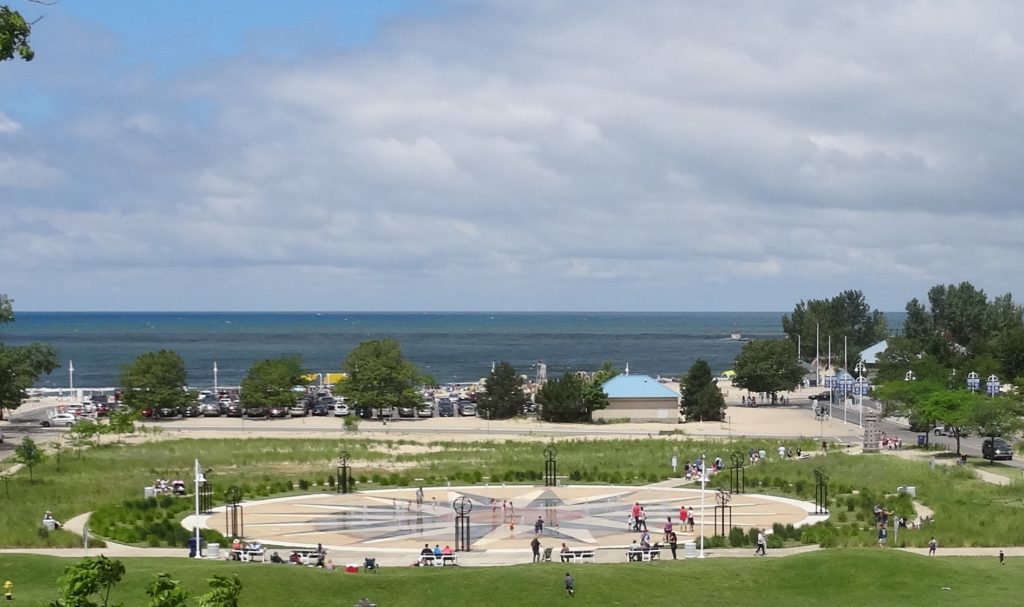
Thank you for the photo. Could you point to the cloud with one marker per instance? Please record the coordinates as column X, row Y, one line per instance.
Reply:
column 530, row 155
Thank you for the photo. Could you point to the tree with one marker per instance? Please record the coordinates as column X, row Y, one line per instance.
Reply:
column 28, row 454
column 165, row 591
column 845, row 315
column 121, row 421
column 91, row 576
column 20, row 367
column 561, row 399
column 14, row 34
column 224, row 592
column 379, row 376
column 270, row 382
column 503, row 395
column 701, row 397
column 767, row 366
column 156, row 379
column 953, row 408
column 992, row 417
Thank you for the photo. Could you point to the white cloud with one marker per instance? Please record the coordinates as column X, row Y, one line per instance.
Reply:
column 550, row 158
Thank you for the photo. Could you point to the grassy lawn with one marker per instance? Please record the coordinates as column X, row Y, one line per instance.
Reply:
column 836, row 578
column 1009, row 472
column 968, row 512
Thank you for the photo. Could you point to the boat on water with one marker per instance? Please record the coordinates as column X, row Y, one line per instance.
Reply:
column 737, row 336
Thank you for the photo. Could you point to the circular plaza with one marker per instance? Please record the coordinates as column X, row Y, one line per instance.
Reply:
column 502, row 518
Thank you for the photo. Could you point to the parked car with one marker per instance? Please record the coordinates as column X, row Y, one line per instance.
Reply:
column 425, row 410
column 233, row 410
column 190, row 411
column 384, row 413
column 996, row 448
column 943, row 430
column 147, row 412
column 826, row 395
column 445, row 409
column 257, row 411
column 320, row 410
column 278, row 411
column 60, row 419
column 341, row 410
column 298, row 410
column 406, row 411
column 211, row 409
column 167, row 412
column 467, row 409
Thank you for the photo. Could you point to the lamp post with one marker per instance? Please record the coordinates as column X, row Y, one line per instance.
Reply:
column 215, row 388
column 992, row 385
column 71, row 377
column 200, row 479
column 703, row 480
column 973, row 381
column 862, row 387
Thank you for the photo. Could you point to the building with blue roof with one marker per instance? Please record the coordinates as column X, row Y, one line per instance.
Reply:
column 639, row 398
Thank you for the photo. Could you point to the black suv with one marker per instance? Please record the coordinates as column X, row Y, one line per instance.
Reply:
column 996, row 448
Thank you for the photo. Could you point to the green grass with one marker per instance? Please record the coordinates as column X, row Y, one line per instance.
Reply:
column 836, row 578
column 1009, row 472
column 968, row 512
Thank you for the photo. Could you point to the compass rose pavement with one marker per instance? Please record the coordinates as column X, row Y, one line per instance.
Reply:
column 502, row 517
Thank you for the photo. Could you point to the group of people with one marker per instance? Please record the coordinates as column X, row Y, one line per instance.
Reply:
column 892, row 443
column 428, row 555
column 166, row 487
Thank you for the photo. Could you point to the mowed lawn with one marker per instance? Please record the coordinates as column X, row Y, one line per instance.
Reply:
column 855, row 577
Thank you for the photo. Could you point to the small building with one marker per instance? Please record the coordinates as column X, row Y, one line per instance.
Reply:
column 639, row 398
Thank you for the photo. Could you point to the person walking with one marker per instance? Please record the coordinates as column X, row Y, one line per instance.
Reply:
column 538, row 527
column 570, row 585
column 668, row 528
column 643, row 518
column 883, row 535
column 760, row 544
column 535, row 546
column 672, row 540
column 932, row 545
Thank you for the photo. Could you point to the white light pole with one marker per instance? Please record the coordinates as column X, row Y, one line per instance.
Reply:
column 200, row 479
column 861, row 389
column 992, row 385
column 703, row 480
column 215, row 379
column 71, row 377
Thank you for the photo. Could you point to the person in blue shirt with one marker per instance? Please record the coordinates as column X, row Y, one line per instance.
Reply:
column 437, row 550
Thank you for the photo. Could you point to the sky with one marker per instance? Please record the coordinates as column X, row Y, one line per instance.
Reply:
column 510, row 154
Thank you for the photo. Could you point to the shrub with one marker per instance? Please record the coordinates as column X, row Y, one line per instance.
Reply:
column 775, row 541
column 303, row 484
column 736, row 537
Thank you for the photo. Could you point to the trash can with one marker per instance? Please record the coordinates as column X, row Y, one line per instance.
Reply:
column 213, row 551
column 192, row 547
column 149, row 492
column 921, row 438
column 690, row 549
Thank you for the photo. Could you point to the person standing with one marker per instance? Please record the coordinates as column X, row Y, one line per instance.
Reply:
column 570, row 585
column 760, row 543
column 535, row 546
column 419, row 497
column 883, row 535
column 668, row 528
column 932, row 545
column 538, row 527
column 643, row 519
column 672, row 540
column 689, row 517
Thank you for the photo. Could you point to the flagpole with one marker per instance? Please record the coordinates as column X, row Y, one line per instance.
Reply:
column 215, row 378
column 199, row 480
column 71, row 377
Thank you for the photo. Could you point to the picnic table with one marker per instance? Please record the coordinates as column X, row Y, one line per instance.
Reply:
column 645, row 556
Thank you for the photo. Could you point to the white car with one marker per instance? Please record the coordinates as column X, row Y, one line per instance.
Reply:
column 60, row 419
column 340, row 410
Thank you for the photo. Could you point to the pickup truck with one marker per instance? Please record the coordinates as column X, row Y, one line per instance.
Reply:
column 944, row 430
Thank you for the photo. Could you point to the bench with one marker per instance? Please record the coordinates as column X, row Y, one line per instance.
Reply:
column 645, row 556
column 449, row 560
column 582, row 555
column 248, row 555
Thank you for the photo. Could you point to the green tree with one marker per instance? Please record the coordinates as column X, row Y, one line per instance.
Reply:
column 270, row 382
column 224, row 592
column 14, row 35
column 83, row 434
column 702, row 400
column 20, row 367
column 767, row 366
column 121, row 421
column 164, row 591
column 91, row 576
column 992, row 417
column 845, row 315
column 156, row 379
column 28, row 454
column 561, row 399
column 954, row 408
column 503, row 395
column 379, row 376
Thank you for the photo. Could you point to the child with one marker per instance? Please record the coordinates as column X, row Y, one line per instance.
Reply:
column 570, row 585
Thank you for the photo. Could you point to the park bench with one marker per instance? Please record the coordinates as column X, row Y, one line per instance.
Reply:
column 439, row 561
column 653, row 554
column 581, row 555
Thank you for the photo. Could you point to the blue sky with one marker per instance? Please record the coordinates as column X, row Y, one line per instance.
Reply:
column 509, row 155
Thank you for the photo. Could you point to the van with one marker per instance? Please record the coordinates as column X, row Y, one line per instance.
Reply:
column 996, row 448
